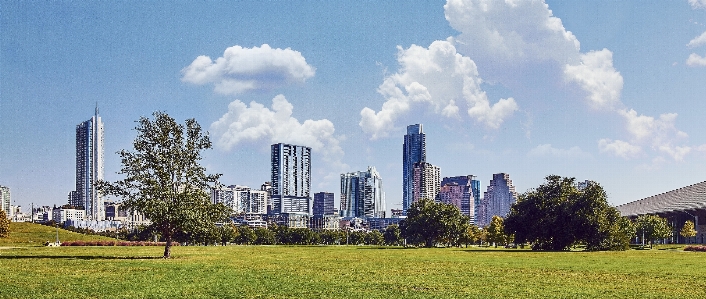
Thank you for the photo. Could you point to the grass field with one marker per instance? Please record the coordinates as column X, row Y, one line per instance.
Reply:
column 347, row 272
column 32, row 234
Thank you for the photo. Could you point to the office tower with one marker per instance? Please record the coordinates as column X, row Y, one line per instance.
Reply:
column 475, row 187
column 241, row 199
column 291, row 179
column 323, row 204
column 362, row 194
column 425, row 181
column 497, row 199
column 413, row 151
column 5, row 201
column 459, row 192
column 89, row 168
column 267, row 187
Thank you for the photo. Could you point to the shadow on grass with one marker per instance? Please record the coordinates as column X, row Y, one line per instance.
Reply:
column 391, row 247
column 78, row 257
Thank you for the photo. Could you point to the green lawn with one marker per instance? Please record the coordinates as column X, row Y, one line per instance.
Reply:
column 32, row 234
column 347, row 272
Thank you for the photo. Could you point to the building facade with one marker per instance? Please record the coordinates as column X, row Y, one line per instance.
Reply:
column 426, row 181
column 460, row 192
column 6, row 201
column 291, row 179
column 497, row 199
column 323, row 204
column 89, row 168
column 362, row 194
column 60, row 215
column 241, row 199
column 413, row 151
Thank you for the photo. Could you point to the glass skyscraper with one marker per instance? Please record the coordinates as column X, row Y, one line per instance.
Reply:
column 291, row 179
column 89, row 168
column 466, row 198
column 362, row 194
column 413, row 151
column 323, row 204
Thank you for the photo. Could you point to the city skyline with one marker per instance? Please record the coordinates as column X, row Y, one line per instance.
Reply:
column 598, row 90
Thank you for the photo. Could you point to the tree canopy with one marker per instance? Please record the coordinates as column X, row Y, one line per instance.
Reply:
column 4, row 225
column 652, row 228
column 164, row 180
column 558, row 215
column 688, row 231
column 429, row 223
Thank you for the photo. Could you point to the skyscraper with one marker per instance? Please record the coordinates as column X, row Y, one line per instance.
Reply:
column 426, row 179
column 5, row 203
column 89, row 168
column 413, row 151
column 323, row 204
column 362, row 194
column 460, row 191
column 291, row 179
column 498, row 199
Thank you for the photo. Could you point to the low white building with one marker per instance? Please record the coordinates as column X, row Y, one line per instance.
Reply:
column 60, row 215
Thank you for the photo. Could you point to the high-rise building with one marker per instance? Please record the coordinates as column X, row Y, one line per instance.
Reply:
column 459, row 192
column 291, row 179
column 413, row 151
column 426, row 181
column 241, row 199
column 362, row 194
column 267, row 187
column 323, row 204
column 89, row 168
column 497, row 199
column 5, row 201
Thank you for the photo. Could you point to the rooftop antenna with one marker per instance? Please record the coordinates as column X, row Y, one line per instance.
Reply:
column 96, row 108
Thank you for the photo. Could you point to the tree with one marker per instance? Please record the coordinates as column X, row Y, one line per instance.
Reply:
column 496, row 231
column 558, row 215
column 246, row 235
column 652, row 227
column 164, row 180
column 4, row 225
column 374, row 238
column 429, row 223
column 688, row 231
column 393, row 235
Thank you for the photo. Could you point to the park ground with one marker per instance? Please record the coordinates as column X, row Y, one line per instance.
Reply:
column 31, row 271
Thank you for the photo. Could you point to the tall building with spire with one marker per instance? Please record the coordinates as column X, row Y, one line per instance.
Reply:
column 413, row 151
column 89, row 168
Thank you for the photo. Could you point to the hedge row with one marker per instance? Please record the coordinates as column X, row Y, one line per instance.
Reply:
column 695, row 248
column 115, row 243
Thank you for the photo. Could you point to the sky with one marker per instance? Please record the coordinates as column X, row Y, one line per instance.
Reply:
column 610, row 91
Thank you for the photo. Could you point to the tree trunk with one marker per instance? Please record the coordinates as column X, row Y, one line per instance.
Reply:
column 168, row 246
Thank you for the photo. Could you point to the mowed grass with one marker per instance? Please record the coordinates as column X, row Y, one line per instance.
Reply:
column 347, row 272
column 33, row 234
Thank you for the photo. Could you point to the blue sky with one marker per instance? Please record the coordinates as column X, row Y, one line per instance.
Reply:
column 611, row 91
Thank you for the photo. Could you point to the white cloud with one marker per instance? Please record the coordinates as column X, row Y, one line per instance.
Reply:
column 253, row 123
column 439, row 78
column 696, row 4
column 597, row 76
column 696, row 60
column 244, row 69
column 619, row 148
column 547, row 150
column 697, row 41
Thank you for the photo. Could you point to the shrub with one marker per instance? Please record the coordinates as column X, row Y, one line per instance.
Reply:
column 695, row 248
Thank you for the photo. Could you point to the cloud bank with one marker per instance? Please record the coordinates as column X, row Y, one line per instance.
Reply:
column 440, row 79
column 244, row 69
column 255, row 122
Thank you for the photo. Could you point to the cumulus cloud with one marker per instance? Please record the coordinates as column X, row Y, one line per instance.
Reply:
column 619, row 148
column 598, row 77
column 697, row 41
column 547, row 150
column 244, row 69
column 696, row 4
column 696, row 60
column 255, row 122
column 439, row 78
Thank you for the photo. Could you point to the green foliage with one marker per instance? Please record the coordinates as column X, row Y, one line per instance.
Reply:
column 688, row 231
column 496, row 231
column 429, row 223
column 652, row 228
column 557, row 215
column 165, row 182
column 393, row 235
column 4, row 225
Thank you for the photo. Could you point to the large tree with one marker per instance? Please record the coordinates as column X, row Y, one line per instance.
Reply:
column 4, row 225
column 164, row 180
column 496, row 231
column 429, row 223
column 688, row 231
column 558, row 215
column 652, row 228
